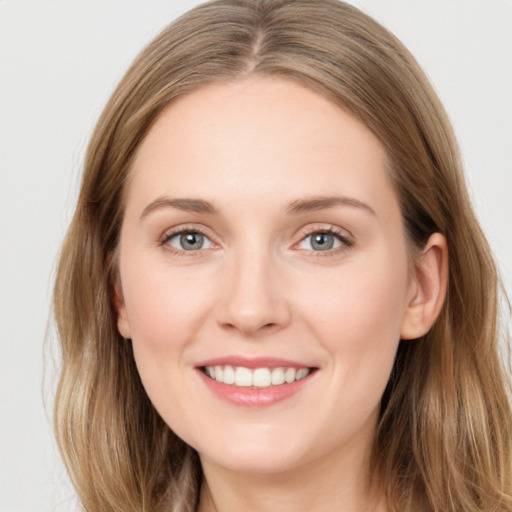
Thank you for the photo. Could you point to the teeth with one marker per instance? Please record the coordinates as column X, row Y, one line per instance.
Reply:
column 277, row 376
column 229, row 375
column 261, row 378
column 303, row 372
column 243, row 377
column 258, row 378
column 289, row 375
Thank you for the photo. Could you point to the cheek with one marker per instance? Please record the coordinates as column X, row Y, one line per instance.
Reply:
column 359, row 305
column 162, row 327
column 167, row 309
column 357, row 318
column 163, row 307
column 156, row 316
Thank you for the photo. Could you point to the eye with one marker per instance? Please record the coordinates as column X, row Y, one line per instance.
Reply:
column 324, row 240
column 189, row 241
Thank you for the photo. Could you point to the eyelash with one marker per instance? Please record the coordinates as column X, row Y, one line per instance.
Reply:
column 168, row 235
column 341, row 235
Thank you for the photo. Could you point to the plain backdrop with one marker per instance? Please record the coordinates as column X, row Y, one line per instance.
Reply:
column 60, row 59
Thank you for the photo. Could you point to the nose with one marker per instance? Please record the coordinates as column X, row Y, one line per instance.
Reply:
column 253, row 297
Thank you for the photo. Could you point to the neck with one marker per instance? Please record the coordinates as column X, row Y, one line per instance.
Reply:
column 330, row 483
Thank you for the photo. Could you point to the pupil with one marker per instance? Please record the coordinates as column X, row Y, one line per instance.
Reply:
column 322, row 241
column 191, row 241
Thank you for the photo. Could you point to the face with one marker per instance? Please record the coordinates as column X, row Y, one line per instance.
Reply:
column 263, row 275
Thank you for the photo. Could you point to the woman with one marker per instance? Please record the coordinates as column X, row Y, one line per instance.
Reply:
column 274, row 294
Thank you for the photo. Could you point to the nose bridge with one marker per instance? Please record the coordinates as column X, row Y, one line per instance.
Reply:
column 253, row 298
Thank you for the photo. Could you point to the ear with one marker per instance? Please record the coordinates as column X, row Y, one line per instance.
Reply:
column 427, row 288
column 123, row 326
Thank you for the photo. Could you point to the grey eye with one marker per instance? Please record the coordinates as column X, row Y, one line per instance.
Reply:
column 190, row 241
column 320, row 242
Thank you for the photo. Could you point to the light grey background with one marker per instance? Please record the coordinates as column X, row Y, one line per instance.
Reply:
column 59, row 60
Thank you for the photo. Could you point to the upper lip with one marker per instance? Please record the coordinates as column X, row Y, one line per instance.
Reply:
column 253, row 362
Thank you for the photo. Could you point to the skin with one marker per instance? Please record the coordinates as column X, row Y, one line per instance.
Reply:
column 257, row 287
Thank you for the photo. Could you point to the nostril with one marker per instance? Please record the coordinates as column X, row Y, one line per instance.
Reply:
column 250, row 328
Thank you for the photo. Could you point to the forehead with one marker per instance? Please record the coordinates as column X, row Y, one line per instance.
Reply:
column 265, row 137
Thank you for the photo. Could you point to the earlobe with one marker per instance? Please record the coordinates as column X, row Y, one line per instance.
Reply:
column 430, row 278
column 123, row 325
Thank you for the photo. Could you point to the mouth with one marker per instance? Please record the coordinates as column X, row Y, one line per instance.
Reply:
column 256, row 378
column 255, row 382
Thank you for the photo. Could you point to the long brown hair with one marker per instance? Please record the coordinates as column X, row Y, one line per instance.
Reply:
column 444, row 438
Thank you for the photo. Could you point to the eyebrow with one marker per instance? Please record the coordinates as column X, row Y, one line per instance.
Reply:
column 324, row 202
column 299, row 206
column 185, row 204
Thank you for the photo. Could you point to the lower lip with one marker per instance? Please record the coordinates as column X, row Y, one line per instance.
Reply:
column 254, row 397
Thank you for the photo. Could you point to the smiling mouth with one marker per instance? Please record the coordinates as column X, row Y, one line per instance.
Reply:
column 239, row 376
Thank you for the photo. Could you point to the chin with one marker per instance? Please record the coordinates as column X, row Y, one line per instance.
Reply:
column 256, row 453
column 254, row 461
